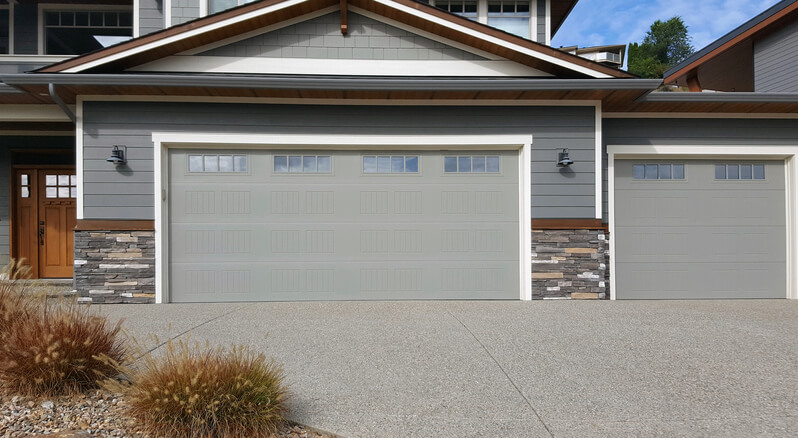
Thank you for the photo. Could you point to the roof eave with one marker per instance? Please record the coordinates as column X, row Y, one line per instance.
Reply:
column 721, row 97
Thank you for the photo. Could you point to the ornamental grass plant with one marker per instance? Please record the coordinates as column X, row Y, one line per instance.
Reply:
column 196, row 392
column 52, row 347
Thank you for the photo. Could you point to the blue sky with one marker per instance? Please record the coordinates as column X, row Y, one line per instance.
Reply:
column 600, row 22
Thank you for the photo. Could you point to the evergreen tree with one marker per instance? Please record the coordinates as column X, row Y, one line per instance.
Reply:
column 665, row 45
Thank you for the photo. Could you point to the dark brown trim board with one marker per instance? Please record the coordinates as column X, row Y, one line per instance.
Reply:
column 569, row 224
column 115, row 225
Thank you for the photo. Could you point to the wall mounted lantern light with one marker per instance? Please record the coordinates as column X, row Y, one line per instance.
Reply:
column 564, row 159
column 118, row 155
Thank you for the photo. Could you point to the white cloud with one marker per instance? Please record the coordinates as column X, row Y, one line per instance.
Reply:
column 598, row 22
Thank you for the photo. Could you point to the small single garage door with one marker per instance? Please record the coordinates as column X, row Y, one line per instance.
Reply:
column 700, row 229
column 342, row 225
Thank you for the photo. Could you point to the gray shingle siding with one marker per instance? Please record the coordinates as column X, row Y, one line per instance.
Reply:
column 321, row 38
column 541, row 14
column 694, row 132
column 150, row 16
column 776, row 61
column 127, row 193
column 184, row 10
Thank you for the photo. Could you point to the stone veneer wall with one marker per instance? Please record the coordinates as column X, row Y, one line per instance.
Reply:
column 115, row 266
column 570, row 264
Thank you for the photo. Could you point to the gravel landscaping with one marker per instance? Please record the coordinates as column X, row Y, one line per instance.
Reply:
column 97, row 415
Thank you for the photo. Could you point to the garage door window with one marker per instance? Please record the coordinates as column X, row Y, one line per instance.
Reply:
column 302, row 164
column 471, row 164
column 745, row 171
column 658, row 171
column 390, row 164
column 214, row 163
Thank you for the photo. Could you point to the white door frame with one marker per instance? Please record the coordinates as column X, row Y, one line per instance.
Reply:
column 787, row 153
column 163, row 141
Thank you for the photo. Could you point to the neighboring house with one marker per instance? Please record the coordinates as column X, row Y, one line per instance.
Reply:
column 388, row 149
column 611, row 56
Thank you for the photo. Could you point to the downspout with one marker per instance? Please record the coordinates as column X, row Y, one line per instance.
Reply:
column 57, row 99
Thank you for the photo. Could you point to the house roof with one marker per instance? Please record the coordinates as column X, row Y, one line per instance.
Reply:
column 714, row 59
column 257, row 15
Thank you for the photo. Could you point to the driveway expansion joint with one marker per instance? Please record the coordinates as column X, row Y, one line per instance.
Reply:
column 517, row 389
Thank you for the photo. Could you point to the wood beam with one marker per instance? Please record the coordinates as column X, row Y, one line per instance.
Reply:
column 693, row 84
column 344, row 26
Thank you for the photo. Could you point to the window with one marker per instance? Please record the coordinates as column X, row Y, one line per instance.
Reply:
column 302, row 164
column 75, row 32
column 510, row 16
column 215, row 163
column 5, row 27
column 390, row 164
column 739, row 171
column 215, row 6
column 471, row 164
column 24, row 184
column 466, row 8
column 58, row 186
column 659, row 171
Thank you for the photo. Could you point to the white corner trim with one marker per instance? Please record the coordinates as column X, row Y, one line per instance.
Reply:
column 338, row 67
column 598, row 158
column 136, row 18
column 786, row 152
column 203, row 8
column 79, row 156
column 548, row 22
column 34, row 113
column 163, row 141
column 459, row 28
column 525, row 218
column 183, row 35
column 533, row 22
column 167, row 14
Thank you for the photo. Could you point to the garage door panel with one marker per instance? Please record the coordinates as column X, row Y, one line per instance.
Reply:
column 344, row 235
column 700, row 237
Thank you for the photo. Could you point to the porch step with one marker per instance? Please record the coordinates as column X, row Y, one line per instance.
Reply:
column 51, row 286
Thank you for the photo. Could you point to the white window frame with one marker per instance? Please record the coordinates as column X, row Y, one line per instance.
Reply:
column 715, row 152
column 164, row 141
column 45, row 7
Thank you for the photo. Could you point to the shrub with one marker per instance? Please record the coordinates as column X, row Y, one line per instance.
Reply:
column 193, row 392
column 57, row 348
column 15, row 305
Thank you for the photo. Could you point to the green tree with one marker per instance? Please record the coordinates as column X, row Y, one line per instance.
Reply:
column 665, row 45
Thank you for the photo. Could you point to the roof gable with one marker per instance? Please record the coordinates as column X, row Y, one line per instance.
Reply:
column 265, row 13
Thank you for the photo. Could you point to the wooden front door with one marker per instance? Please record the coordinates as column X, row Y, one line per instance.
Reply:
column 45, row 204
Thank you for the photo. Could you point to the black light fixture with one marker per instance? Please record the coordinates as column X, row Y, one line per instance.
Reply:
column 564, row 160
column 118, row 155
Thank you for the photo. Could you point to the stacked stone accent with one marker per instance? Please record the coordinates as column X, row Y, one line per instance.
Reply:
column 115, row 266
column 570, row 264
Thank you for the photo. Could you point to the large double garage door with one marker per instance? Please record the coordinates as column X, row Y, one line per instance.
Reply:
column 256, row 225
column 700, row 229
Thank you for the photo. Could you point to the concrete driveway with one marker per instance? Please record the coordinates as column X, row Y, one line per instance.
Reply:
column 515, row 369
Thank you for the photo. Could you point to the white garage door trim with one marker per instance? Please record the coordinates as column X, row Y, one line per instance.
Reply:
column 165, row 140
column 787, row 153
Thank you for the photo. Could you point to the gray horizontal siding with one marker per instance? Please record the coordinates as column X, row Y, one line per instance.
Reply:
column 541, row 15
column 132, row 124
column 321, row 38
column 694, row 132
column 776, row 61
column 184, row 10
column 150, row 16
column 18, row 142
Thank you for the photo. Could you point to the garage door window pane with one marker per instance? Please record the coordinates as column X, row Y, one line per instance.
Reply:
column 759, row 171
column 211, row 163
column 324, row 164
column 664, row 171
column 678, row 171
column 450, row 164
column 720, row 171
column 745, row 171
column 492, row 165
column 397, row 164
column 478, row 164
column 369, row 164
column 651, row 171
column 309, row 164
column 240, row 163
column 464, row 164
column 732, row 171
column 281, row 163
column 383, row 164
column 226, row 163
column 295, row 163
column 411, row 164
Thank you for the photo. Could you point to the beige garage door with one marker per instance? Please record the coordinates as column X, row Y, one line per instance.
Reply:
column 342, row 225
